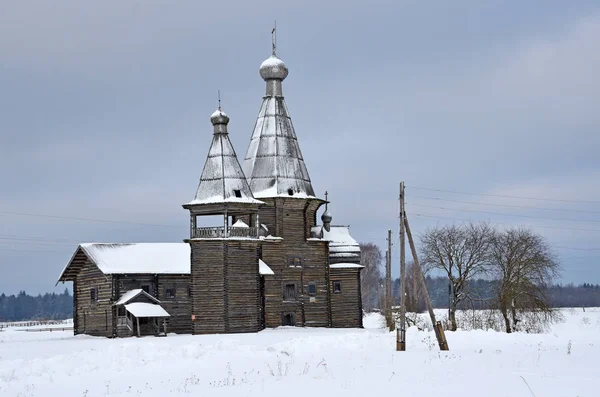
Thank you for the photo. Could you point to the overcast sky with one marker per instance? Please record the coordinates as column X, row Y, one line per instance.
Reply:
column 104, row 114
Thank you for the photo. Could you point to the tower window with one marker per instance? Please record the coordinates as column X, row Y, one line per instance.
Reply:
column 290, row 192
column 238, row 193
column 289, row 292
column 312, row 288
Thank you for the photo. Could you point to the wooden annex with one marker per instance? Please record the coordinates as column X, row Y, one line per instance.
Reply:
column 266, row 263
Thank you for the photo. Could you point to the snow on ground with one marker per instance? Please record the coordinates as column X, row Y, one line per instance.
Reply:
column 298, row 362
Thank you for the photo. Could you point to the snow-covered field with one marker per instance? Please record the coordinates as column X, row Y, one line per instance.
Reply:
column 299, row 362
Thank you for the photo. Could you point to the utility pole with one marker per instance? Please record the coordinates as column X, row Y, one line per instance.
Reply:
column 401, row 333
column 391, row 323
column 437, row 326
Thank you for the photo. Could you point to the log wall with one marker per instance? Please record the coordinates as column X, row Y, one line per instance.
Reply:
column 308, row 310
column 92, row 317
column 179, row 307
column 225, row 286
column 346, row 307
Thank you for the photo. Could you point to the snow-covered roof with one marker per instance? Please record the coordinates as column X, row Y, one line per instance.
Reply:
column 274, row 164
column 144, row 258
column 222, row 178
column 345, row 266
column 264, row 269
column 140, row 309
column 129, row 295
column 341, row 243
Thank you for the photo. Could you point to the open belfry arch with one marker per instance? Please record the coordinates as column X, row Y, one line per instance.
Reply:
column 265, row 261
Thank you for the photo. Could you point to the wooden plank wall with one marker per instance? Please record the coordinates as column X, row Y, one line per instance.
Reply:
column 346, row 307
column 315, row 268
column 225, row 286
column 180, row 307
column 243, row 286
column 208, row 259
column 93, row 318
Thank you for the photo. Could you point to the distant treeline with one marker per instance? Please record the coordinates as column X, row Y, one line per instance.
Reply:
column 568, row 295
column 54, row 306
column 24, row 307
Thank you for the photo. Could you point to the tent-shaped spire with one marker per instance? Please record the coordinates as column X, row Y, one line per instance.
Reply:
column 222, row 179
column 274, row 164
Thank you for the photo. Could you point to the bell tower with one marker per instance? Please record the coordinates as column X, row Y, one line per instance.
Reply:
column 225, row 281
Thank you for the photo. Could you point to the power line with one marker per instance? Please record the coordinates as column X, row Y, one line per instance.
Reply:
column 85, row 219
column 501, row 223
column 508, row 206
column 503, row 214
column 511, row 197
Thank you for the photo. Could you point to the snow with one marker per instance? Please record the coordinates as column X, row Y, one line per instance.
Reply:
column 141, row 309
column 219, row 199
column 129, row 295
column 346, row 266
column 291, row 362
column 239, row 223
column 264, row 269
column 341, row 243
column 143, row 258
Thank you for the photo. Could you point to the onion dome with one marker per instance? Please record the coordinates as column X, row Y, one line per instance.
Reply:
column 273, row 68
column 326, row 217
column 219, row 117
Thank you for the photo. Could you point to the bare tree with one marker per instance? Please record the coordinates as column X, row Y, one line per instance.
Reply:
column 414, row 290
column 460, row 251
column 525, row 266
column 370, row 280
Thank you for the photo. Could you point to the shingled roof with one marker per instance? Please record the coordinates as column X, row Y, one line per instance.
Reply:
column 222, row 178
column 274, row 164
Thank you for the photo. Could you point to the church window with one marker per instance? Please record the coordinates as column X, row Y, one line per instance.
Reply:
column 337, row 287
column 312, row 288
column 238, row 193
column 289, row 292
column 294, row 261
column 290, row 192
column 170, row 292
column 94, row 295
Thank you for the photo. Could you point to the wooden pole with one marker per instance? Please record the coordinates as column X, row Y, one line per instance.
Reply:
column 437, row 326
column 391, row 323
column 401, row 333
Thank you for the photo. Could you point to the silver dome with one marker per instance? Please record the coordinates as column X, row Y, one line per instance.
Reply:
column 219, row 117
column 326, row 217
column 273, row 68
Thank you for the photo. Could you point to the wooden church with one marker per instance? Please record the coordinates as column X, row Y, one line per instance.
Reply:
column 267, row 263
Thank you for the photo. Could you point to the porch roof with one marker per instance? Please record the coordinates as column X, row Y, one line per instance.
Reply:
column 139, row 309
column 129, row 295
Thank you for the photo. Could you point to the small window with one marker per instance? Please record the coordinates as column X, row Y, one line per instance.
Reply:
column 238, row 193
column 312, row 288
column 294, row 261
column 289, row 292
column 94, row 295
column 121, row 311
column 170, row 293
column 337, row 287
column 290, row 192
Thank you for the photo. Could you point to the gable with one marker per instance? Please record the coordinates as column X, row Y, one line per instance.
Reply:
column 72, row 269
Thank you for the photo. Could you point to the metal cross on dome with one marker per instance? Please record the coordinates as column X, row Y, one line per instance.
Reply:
column 274, row 37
